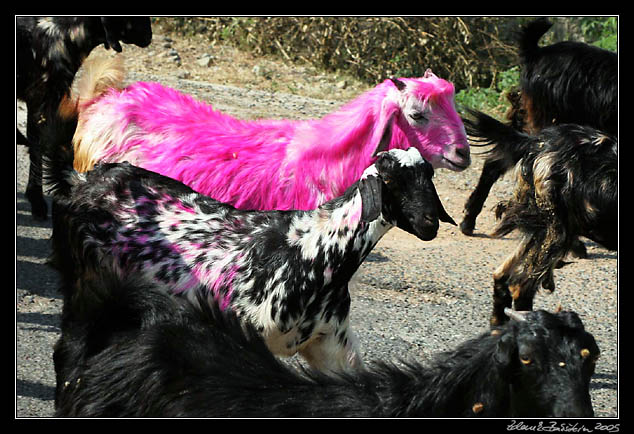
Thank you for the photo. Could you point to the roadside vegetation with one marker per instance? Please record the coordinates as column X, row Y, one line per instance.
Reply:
column 476, row 53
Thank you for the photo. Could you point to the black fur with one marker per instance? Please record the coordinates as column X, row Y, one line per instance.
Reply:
column 567, row 187
column 49, row 52
column 371, row 197
column 566, row 82
column 132, row 351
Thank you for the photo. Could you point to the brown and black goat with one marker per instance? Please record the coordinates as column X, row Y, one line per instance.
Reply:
column 566, row 82
column 567, row 186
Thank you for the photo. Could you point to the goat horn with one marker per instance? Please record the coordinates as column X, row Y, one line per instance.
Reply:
column 517, row 316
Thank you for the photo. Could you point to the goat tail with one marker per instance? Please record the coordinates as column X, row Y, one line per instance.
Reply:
column 99, row 74
column 510, row 144
column 57, row 148
column 530, row 35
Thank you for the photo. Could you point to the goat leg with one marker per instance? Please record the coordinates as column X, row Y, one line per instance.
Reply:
column 501, row 300
column 523, row 294
column 501, row 292
column 34, row 192
column 491, row 172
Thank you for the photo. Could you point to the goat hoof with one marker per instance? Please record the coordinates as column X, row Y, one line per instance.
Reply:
column 467, row 226
column 579, row 250
column 496, row 321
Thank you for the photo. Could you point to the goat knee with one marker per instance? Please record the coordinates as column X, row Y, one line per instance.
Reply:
column 523, row 297
column 334, row 352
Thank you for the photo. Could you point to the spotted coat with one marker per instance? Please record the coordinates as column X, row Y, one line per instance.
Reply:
column 284, row 271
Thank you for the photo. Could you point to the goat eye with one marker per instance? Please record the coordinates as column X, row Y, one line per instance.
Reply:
column 418, row 116
column 526, row 360
column 585, row 354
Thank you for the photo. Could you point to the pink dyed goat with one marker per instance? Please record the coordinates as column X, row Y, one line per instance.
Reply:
column 263, row 164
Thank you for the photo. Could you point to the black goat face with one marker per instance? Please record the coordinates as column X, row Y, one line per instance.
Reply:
column 130, row 30
column 551, row 360
column 410, row 198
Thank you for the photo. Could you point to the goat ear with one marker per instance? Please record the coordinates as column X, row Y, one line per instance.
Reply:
column 505, row 349
column 371, row 202
column 398, row 83
column 386, row 135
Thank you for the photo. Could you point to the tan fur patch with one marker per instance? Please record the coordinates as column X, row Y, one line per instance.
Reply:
column 529, row 120
column 99, row 74
column 542, row 168
column 67, row 107
column 83, row 161
column 599, row 139
column 477, row 407
column 590, row 209
column 515, row 291
column 511, row 261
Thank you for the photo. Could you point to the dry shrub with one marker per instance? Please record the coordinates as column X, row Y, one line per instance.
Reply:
column 468, row 51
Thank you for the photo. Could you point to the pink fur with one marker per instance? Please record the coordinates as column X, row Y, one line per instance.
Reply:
column 271, row 164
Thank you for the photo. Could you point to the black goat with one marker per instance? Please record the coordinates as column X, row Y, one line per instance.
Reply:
column 567, row 82
column 49, row 52
column 129, row 350
column 567, row 186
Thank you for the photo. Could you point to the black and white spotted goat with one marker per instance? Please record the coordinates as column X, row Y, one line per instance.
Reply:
column 49, row 52
column 131, row 350
column 287, row 272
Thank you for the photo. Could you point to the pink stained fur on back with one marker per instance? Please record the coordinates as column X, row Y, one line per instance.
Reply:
column 268, row 164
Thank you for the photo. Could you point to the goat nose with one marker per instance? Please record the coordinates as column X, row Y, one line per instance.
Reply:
column 576, row 408
column 463, row 152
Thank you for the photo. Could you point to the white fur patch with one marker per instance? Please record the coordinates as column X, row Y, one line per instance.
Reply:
column 370, row 171
column 48, row 26
column 408, row 158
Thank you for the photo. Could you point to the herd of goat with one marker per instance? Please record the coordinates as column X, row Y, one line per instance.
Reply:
column 195, row 248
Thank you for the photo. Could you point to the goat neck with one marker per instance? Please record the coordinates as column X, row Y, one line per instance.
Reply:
column 336, row 231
